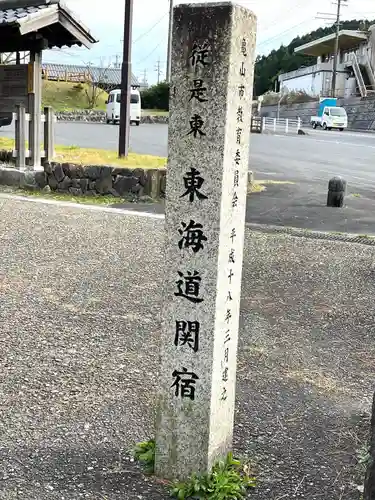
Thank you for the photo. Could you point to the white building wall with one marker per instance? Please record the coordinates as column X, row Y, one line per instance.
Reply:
column 311, row 84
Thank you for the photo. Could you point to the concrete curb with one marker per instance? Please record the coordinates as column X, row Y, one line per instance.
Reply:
column 317, row 235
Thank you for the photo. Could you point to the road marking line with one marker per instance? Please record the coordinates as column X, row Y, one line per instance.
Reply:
column 93, row 208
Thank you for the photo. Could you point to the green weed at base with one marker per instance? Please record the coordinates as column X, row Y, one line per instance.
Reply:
column 144, row 452
column 227, row 481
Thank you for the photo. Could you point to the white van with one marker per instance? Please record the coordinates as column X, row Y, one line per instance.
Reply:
column 114, row 105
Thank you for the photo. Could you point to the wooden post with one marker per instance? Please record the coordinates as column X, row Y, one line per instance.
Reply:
column 49, row 146
column 20, row 136
column 35, row 98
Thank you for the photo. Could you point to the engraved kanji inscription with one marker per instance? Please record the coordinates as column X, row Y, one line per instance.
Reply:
column 187, row 334
column 188, row 286
column 184, row 384
column 198, row 92
column 196, row 124
column 237, row 157
column 240, row 114
column 193, row 181
column 241, row 91
column 192, row 236
column 200, row 54
column 239, row 135
column 244, row 47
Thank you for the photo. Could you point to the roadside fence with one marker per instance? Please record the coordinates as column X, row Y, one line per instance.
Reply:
column 281, row 125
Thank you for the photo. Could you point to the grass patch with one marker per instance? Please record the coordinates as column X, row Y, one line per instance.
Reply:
column 154, row 112
column 68, row 96
column 91, row 156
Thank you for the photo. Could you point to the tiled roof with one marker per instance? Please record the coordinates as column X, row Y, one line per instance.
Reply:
column 110, row 76
column 40, row 16
column 14, row 15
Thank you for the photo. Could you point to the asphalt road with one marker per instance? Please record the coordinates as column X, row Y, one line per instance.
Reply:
column 306, row 161
column 319, row 155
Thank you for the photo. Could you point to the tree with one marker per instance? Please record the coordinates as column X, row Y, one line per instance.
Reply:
column 283, row 60
column 156, row 97
column 96, row 85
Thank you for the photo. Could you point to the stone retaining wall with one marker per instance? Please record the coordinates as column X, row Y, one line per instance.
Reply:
column 94, row 116
column 79, row 180
column 361, row 112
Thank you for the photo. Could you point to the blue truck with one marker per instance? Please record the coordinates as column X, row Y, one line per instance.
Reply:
column 330, row 116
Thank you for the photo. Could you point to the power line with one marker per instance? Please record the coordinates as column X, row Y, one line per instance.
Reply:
column 268, row 40
column 152, row 27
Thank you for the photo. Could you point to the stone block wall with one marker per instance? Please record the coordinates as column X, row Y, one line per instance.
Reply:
column 95, row 180
column 94, row 116
column 90, row 180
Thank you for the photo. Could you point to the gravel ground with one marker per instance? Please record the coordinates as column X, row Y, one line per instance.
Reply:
column 79, row 356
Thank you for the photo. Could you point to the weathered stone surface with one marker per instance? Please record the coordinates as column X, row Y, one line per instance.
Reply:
column 58, row 172
column 65, row 184
column 126, row 172
column 114, row 193
column 124, row 185
column 336, row 192
column 369, row 493
column 100, row 117
column 213, row 54
column 76, row 183
column 52, row 182
column 141, row 175
column 75, row 191
column 92, row 172
column 104, row 183
column 41, row 179
column 48, row 167
column 92, row 185
column 12, row 177
column 84, row 185
column 163, row 184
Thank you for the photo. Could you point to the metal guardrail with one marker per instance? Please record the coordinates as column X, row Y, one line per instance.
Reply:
column 281, row 125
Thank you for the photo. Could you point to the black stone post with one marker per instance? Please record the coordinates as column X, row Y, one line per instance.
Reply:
column 336, row 192
column 369, row 493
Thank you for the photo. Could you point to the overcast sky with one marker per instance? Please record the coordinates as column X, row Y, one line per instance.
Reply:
column 278, row 22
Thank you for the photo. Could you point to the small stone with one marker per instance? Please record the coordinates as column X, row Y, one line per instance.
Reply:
column 92, row 186
column 75, row 191
column 46, row 189
column 58, row 172
column 145, row 199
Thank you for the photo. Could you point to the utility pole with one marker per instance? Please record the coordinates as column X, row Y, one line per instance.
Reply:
column 336, row 53
column 169, row 55
column 337, row 23
column 123, row 149
column 158, row 70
